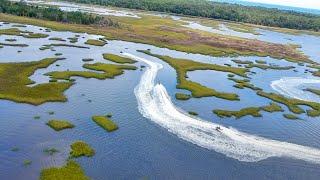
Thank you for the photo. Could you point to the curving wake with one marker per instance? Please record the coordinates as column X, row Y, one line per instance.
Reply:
column 155, row 104
column 289, row 86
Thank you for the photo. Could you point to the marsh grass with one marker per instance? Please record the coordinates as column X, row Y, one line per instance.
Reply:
column 291, row 117
column 118, row 59
column 105, row 71
column 95, row 42
column 87, row 59
column 183, row 97
column 265, row 67
column 292, row 104
column 14, row 78
column 49, row 46
column 81, row 148
column 243, row 83
column 57, row 39
column 167, row 33
column 182, row 66
column 105, row 123
column 14, row 45
column 70, row 171
column 252, row 111
column 50, row 151
column 193, row 113
column 27, row 162
column 59, row 125
column 35, row 35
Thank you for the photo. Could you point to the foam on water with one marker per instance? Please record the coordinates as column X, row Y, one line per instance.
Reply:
column 291, row 86
column 156, row 105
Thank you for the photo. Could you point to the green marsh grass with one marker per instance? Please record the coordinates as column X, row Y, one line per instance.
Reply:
column 105, row 123
column 70, row 171
column 95, row 42
column 118, row 59
column 59, row 125
column 81, row 148
column 14, row 78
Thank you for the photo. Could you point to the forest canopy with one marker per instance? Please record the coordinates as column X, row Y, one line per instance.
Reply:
column 224, row 11
column 51, row 13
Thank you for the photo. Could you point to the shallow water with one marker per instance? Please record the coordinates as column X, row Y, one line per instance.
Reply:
column 142, row 148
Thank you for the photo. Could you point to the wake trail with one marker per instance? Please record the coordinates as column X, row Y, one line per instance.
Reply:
column 155, row 104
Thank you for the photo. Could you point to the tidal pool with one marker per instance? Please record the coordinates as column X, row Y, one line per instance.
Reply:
column 141, row 147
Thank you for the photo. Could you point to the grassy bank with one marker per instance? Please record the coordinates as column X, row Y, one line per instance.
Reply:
column 118, row 59
column 70, row 171
column 169, row 34
column 59, row 125
column 81, row 148
column 107, row 71
column 252, row 111
column 292, row 104
column 105, row 123
column 14, row 78
column 95, row 42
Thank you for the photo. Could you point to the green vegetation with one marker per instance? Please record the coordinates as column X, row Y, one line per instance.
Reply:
column 291, row 116
column 313, row 113
column 193, row 113
column 15, row 149
column 47, row 13
column 17, row 32
column 168, row 33
column 182, row 66
column 272, row 107
column 27, row 162
column 109, row 71
column 10, row 40
column 95, row 42
column 59, row 125
column 252, row 111
column 265, row 67
column 105, row 123
column 35, row 35
column 241, row 84
column 242, row 62
column 80, row 148
column 87, row 59
column 314, row 91
column 70, row 171
column 233, row 12
column 57, row 39
column 14, row 45
column 181, row 96
column 261, row 62
column 292, row 104
column 73, row 39
column 49, row 46
column 14, row 78
column 117, row 59
column 50, row 151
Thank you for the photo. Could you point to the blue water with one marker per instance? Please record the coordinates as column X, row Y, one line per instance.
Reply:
column 288, row 8
column 141, row 149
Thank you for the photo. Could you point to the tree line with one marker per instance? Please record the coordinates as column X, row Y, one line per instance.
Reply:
column 224, row 11
column 52, row 14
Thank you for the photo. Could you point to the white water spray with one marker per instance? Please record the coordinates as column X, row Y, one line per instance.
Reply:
column 155, row 104
column 289, row 86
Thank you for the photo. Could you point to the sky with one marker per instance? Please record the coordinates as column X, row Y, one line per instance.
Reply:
column 314, row 4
